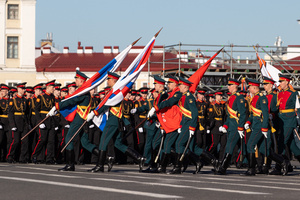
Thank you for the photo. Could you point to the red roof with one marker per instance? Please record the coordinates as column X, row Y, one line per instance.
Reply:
column 293, row 63
column 60, row 62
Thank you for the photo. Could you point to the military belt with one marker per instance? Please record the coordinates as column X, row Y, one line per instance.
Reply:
column 33, row 113
column 18, row 113
column 287, row 110
column 201, row 117
column 216, row 118
column 4, row 116
column 142, row 116
column 44, row 112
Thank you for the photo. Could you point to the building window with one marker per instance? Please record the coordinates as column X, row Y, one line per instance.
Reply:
column 12, row 47
column 12, row 84
column 133, row 86
column 13, row 11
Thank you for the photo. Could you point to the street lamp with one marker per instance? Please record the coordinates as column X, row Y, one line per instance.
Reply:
column 298, row 21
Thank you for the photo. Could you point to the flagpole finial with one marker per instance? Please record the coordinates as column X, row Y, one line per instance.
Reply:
column 158, row 32
column 135, row 41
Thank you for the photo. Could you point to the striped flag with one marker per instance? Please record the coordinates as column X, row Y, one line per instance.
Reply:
column 125, row 82
column 98, row 78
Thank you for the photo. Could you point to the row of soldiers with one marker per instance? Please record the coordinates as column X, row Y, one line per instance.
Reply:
column 210, row 129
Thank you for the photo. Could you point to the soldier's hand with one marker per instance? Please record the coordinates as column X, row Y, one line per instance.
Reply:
column 208, row 131
column 14, row 128
column 179, row 130
column 246, row 126
column 265, row 133
column 90, row 116
column 56, row 128
column 241, row 133
column 157, row 124
column 192, row 133
column 141, row 130
column 222, row 129
column 52, row 112
column 92, row 126
column 42, row 126
column 162, row 131
column 67, row 126
column 1, row 127
column 151, row 112
column 133, row 111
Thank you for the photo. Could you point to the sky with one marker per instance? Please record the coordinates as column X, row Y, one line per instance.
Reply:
column 101, row 23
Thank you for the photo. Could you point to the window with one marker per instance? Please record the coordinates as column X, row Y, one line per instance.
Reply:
column 133, row 86
column 13, row 11
column 12, row 47
column 145, row 84
column 12, row 84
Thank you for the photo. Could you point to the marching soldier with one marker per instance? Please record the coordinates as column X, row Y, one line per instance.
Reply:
column 19, row 126
column 4, row 123
column 234, row 123
column 259, row 118
column 111, row 129
column 286, row 100
column 217, row 114
column 44, row 103
column 202, row 106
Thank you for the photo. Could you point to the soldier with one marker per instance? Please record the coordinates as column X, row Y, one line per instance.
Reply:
column 44, row 103
column 234, row 123
column 71, row 88
column 217, row 113
column 259, row 118
column 111, row 129
column 202, row 106
column 83, row 103
column 29, row 92
column 4, row 123
column 64, row 92
column 13, row 92
column 286, row 100
column 19, row 126
column 138, row 118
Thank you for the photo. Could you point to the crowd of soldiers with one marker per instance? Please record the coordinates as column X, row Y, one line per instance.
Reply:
column 247, row 128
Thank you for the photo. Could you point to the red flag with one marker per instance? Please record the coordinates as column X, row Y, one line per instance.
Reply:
column 196, row 77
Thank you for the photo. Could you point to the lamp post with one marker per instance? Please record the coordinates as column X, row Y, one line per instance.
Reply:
column 298, row 21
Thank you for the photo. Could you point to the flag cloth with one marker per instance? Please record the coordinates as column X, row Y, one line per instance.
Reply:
column 170, row 118
column 70, row 112
column 125, row 82
column 268, row 70
column 196, row 77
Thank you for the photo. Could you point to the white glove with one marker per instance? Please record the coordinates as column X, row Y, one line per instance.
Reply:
column 191, row 133
column 92, row 126
column 151, row 112
column 241, row 133
column 265, row 133
column 157, row 124
column 56, row 128
column 14, row 128
column 208, row 131
column 270, row 116
column 90, row 116
column 42, row 126
column 179, row 130
column 246, row 126
column 1, row 127
column 141, row 130
column 133, row 111
column 67, row 126
column 52, row 112
column 162, row 131
column 222, row 129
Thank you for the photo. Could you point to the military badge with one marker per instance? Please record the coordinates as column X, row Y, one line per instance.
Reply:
column 264, row 101
column 191, row 101
column 38, row 100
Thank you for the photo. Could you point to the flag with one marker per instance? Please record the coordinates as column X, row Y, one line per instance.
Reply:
column 196, row 77
column 125, row 82
column 70, row 112
column 268, row 70
column 243, row 84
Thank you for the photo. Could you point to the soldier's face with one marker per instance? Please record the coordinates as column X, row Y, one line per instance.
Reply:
column 284, row 84
column 57, row 93
column 171, row 86
column 79, row 82
column 72, row 90
column 111, row 82
column 50, row 89
column 268, row 87
column 183, row 88
column 158, row 87
column 37, row 92
column 4, row 93
column 144, row 95
column 21, row 91
column 218, row 97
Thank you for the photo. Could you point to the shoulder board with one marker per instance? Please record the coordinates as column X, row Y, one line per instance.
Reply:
column 150, row 100
column 261, row 94
column 188, row 94
column 163, row 92
column 237, row 94
column 293, row 90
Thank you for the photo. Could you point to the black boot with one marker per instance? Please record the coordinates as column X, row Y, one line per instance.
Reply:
column 177, row 166
column 136, row 156
column 266, row 167
column 110, row 162
column 69, row 161
column 251, row 169
column 96, row 151
column 163, row 163
column 185, row 163
column 281, row 163
column 224, row 164
column 196, row 161
column 208, row 157
column 100, row 165
column 152, row 168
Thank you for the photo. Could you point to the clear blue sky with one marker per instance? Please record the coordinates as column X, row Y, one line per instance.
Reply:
column 101, row 23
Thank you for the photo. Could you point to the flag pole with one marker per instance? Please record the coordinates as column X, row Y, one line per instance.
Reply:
column 34, row 127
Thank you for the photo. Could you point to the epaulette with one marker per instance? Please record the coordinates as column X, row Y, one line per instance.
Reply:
column 261, row 94
column 237, row 94
column 162, row 92
column 149, row 99
column 292, row 89
column 188, row 94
